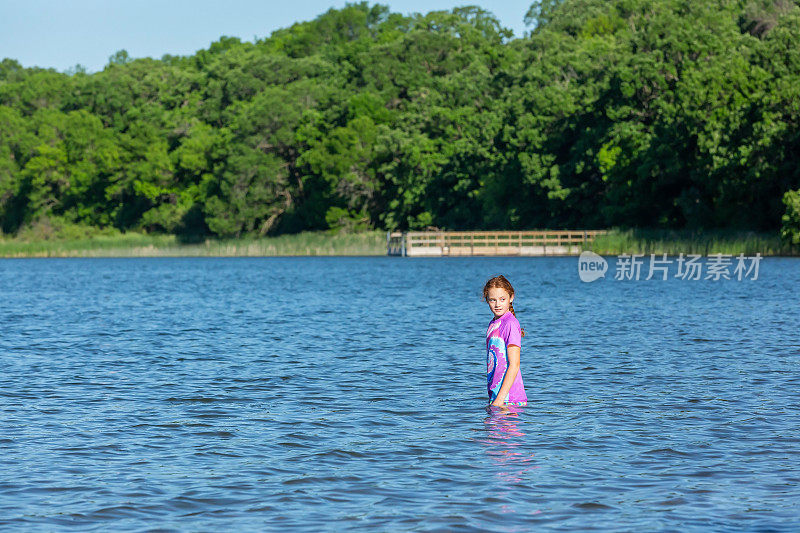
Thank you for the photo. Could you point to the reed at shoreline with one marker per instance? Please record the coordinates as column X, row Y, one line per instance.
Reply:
column 142, row 245
column 675, row 242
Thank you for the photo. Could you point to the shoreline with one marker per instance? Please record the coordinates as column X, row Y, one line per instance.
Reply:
column 373, row 243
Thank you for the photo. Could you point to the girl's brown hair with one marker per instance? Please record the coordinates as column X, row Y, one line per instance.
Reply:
column 500, row 282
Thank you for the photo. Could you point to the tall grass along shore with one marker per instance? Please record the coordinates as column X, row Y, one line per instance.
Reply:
column 143, row 245
column 672, row 242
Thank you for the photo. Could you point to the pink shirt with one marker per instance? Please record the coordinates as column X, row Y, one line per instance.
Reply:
column 502, row 333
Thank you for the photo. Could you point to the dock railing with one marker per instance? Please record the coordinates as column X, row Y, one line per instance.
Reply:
column 459, row 243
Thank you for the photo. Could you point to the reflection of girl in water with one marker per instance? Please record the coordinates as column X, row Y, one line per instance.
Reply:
column 505, row 445
column 503, row 346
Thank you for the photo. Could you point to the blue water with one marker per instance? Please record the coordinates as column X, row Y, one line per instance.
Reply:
column 324, row 394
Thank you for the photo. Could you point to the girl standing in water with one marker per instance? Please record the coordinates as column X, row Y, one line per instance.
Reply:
column 503, row 346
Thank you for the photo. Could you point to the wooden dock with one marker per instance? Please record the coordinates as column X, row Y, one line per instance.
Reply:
column 465, row 243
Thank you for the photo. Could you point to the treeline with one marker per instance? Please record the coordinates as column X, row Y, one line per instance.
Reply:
column 632, row 113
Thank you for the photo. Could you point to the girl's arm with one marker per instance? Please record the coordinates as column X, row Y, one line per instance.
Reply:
column 511, row 374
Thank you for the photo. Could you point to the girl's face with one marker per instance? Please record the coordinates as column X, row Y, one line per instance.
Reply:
column 499, row 301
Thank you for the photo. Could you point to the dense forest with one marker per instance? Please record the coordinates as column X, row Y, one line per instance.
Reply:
column 632, row 113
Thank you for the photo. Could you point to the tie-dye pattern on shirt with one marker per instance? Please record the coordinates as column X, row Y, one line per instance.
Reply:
column 497, row 337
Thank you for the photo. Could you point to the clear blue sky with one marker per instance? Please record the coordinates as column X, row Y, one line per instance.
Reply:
column 62, row 33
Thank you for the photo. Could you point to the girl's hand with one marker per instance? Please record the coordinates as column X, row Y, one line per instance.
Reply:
column 501, row 405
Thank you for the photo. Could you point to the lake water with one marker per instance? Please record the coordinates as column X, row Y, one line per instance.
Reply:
column 324, row 394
